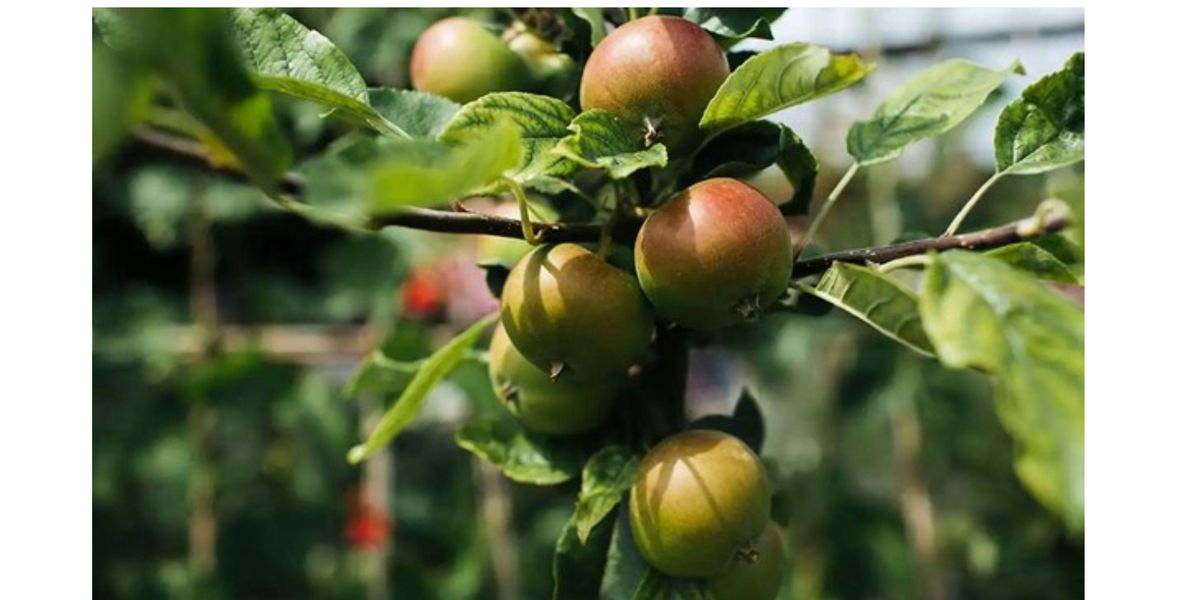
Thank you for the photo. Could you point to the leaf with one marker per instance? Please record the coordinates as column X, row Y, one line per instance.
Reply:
column 121, row 97
column 735, row 24
column 658, row 586
column 876, row 299
column 336, row 181
column 378, row 374
column 607, row 475
column 426, row 172
column 1043, row 129
column 595, row 19
column 625, row 567
column 541, row 122
column 579, row 560
column 1049, row 258
column 981, row 313
column 754, row 146
column 746, row 423
column 601, row 141
column 929, row 104
column 779, row 78
column 523, row 456
column 412, row 400
column 194, row 53
column 419, row 114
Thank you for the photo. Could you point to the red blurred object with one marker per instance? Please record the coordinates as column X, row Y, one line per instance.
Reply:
column 367, row 527
column 424, row 296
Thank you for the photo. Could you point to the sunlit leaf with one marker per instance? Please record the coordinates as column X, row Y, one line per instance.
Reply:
column 607, row 475
column 1051, row 258
column 600, row 140
column 876, row 299
column 929, row 104
column 541, row 121
column 983, row 314
column 432, row 371
column 523, row 456
column 1043, row 129
column 779, row 78
column 287, row 57
column 419, row 114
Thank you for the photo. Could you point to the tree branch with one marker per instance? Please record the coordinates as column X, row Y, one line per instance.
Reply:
column 1018, row 231
column 626, row 231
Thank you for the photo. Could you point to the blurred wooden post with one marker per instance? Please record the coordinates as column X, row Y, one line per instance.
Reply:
column 202, row 518
column 496, row 508
column 916, row 504
column 377, row 483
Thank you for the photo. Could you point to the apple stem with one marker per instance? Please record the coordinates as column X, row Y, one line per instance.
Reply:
column 527, row 232
column 557, row 368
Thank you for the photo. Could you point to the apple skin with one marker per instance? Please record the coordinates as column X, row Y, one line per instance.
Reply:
column 563, row 407
column 563, row 306
column 700, row 497
column 758, row 580
column 714, row 254
column 459, row 59
column 659, row 69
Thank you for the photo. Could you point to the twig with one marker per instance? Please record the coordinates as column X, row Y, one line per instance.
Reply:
column 979, row 240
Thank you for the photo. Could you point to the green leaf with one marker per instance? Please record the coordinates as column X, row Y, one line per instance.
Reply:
column 735, row 24
column 927, row 105
column 1051, row 258
column 287, row 57
column 983, row 314
column 426, row 172
column 779, row 78
column 523, row 456
column 625, row 567
column 121, row 97
column 1043, row 129
column 607, row 475
column 541, row 122
column 378, row 374
column 876, row 299
column 595, row 19
column 579, row 560
column 658, row 586
column 412, row 400
column 336, row 180
column 194, row 53
column 601, row 141
column 419, row 114
column 746, row 423
column 752, row 147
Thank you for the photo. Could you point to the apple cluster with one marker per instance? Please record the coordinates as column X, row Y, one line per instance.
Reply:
column 573, row 326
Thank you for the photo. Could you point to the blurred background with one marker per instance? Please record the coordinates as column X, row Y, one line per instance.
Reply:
column 225, row 331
